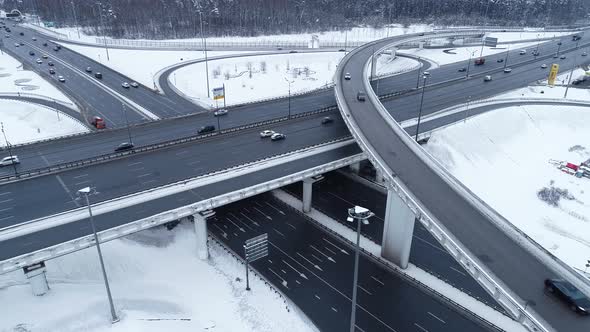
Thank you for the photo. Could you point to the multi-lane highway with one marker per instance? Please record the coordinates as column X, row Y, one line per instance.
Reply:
column 520, row 270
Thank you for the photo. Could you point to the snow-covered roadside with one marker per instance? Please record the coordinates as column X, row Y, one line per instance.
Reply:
column 158, row 284
column 542, row 91
column 459, row 53
column 258, row 77
column 141, row 65
column 515, row 36
column 15, row 80
column 440, row 286
column 502, row 156
column 26, row 122
column 387, row 64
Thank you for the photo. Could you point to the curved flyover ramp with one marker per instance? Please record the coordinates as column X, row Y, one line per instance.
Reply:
column 508, row 264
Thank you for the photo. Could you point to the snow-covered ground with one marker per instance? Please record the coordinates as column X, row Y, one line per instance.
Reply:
column 459, row 53
column 258, row 77
column 387, row 64
column 547, row 92
column 141, row 65
column 502, row 156
column 515, row 36
column 13, row 80
column 158, row 284
column 26, row 122
column 414, row 272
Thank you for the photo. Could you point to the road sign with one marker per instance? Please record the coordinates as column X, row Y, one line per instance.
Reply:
column 255, row 249
column 219, row 93
column 490, row 41
column 553, row 74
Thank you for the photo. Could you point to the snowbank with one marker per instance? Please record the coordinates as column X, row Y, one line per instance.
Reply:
column 258, row 77
column 502, row 156
column 13, row 80
column 158, row 284
column 387, row 64
column 26, row 122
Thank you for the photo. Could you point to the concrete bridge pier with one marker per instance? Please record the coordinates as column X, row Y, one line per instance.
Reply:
column 308, row 190
column 379, row 177
column 397, row 230
column 37, row 279
column 355, row 168
column 200, row 220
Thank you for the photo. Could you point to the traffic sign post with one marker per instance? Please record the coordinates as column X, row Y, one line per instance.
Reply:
column 254, row 249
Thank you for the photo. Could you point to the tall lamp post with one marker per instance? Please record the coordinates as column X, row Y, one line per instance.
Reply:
column 85, row 192
column 205, row 47
column 104, row 36
column 127, row 123
column 75, row 19
column 567, row 87
column 9, row 149
column 360, row 215
column 471, row 54
column 289, row 98
column 420, row 110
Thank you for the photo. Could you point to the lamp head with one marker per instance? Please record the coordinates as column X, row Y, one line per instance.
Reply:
column 84, row 191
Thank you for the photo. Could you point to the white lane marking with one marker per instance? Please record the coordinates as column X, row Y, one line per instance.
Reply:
column 80, row 176
column 81, row 183
column 144, row 175
column 5, row 193
column 310, row 262
column 238, row 227
column 364, row 290
column 458, row 271
column 137, row 169
column 6, row 209
column 254, row 222
column 420, row 327
column 7, row 200
column 436, row 317
column 145, row 183
column 284, row 272
column 240, row 221
column 317, row 297
column 321, row 253
column 431, row 244
column 192, row 163
column 281, row 234
column 63, row 185
column 335, row 246
column 181, row 152
column 334, row 309
column 223, row 233
column 359, row 328
column 274, row 207
column 290, row 225
column 135, row 163
column 330, row 250
column 294, row 269
column 316, row 257
column 6, row 218
column 377, row 280
column 283, row 281
column 264, row 214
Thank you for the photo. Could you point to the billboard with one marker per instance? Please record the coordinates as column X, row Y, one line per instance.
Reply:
column 553, row 74
column 490, row 41
column 219, row 93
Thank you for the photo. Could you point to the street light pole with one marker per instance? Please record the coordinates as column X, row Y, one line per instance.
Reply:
column 420, row 111
column 469, row 63
column 127, row 123
column 205, row 47
column 104, row 36
column 419, row 74
column 75, row 19
column 85, row 192
column 358, row 214
column 289, row 98
column 506, row 59
column 9, row 148
column 567, row 87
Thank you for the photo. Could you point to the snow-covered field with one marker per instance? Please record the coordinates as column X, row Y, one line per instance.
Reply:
column 141, row 65
column 515, row 36
column 387, row 64
column 13, row 80
column 502, row 156
column 258, row 77
column 459, row 53
column 26, row 122
column 158, row 284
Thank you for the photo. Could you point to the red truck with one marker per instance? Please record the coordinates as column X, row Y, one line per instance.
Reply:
column 98, row 122
column 480, row 61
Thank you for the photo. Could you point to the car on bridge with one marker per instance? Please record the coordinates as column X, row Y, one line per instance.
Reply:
column 462, row 69
column 568, row 293
column 267, row 133
column 31, row 53
column 50, row 64
column 361, row 96
column 206, row 129
column 522, row 52
column 278, row 137
column 543, row 66
column 125, row 85
column 10, row 160
column 88, row 69
column 51, row 71
column 584, row 53
column 327, row 120
column 98, row 75
column 487, row 78
column 220, row 112
column 347, row 76
column 34, row 39
column 125, row 146
column 507, row 70
column 45, row 56
column 135, row 84
column 61, row 79
column 39, row 61
column 562, row 57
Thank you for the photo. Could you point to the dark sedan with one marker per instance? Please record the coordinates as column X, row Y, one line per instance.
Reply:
column 124, row 147
column 569, row 294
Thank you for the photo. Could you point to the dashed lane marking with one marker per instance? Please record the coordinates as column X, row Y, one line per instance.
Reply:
column 436, row 317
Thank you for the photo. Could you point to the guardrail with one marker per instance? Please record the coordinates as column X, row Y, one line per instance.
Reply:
column 105, row 157
column 490, row 283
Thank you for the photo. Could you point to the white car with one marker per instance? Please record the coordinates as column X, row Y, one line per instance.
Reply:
column 507, row 70
column 347, row 76
column 61, row 79
column 220, row 112
column 39, row 61
column 487, row 78
column 277, row 137
column 9, row 161
column 134, row 84
column 125, row 85
column 543, row 66
column 585, row 54
column 267, row 133
column 522, row 52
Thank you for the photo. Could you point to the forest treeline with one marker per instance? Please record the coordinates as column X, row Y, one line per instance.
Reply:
column 156, row 19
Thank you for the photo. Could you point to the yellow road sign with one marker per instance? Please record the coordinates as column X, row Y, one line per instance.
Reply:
column 553, row 74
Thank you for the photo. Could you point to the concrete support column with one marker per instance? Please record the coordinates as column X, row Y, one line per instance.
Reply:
column 36, row 275
column 397, row 231
column 307, row 194
column 379, row 177
column 355, row 168
column 200, row 220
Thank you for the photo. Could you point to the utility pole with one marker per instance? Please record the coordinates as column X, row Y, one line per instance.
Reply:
column 127, row 122
column 289, row 98
column 205, row 46
column 420, row 111
column 75, row 19
column 85, row 192
column 506, row 59
column 104, row 36
column 9, row 149
column 570, row 79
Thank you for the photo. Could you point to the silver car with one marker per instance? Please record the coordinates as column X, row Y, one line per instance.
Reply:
column 9, row 161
